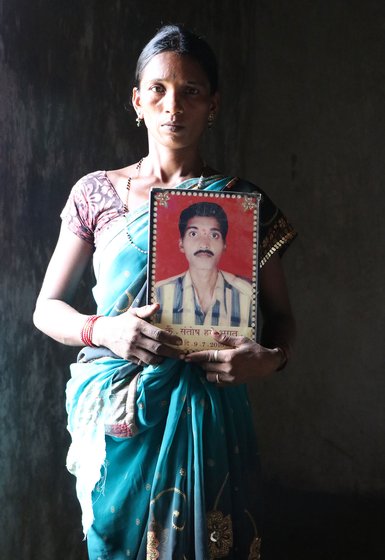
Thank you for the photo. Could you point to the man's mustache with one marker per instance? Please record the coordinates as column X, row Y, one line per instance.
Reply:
column 204, row 252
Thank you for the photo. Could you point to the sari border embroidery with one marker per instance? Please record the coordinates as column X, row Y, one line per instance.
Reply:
column 279, row 235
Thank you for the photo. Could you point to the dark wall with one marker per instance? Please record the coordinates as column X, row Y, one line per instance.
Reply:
column 302, row 115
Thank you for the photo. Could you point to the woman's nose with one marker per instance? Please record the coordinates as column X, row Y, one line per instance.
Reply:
column 174, row 103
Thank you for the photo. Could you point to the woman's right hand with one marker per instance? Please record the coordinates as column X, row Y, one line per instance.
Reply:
column 128, row 335
column 133, row 338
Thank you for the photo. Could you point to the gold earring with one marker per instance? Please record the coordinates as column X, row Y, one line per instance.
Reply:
column 139, row 121
column 211, row 119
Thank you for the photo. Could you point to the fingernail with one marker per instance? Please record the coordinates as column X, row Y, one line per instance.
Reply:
column 179, row 341
column 215, row 332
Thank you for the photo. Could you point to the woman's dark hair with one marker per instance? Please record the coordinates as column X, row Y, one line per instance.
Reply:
column 206, row 210
column 176, row 38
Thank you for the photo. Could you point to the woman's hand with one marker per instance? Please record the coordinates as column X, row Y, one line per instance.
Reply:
column 243, row 361
column 133, row 338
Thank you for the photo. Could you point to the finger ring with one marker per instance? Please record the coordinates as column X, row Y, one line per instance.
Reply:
column 214, row 356
column 217, row 376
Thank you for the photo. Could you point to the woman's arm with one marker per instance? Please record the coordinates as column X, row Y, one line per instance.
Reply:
column 54, row 314
column 245, row 359
column 128, row 335
column 278, row 329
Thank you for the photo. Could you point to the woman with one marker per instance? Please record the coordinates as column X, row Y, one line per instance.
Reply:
column 176, row 476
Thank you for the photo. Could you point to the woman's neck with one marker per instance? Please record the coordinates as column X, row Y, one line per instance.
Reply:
column 170, row 167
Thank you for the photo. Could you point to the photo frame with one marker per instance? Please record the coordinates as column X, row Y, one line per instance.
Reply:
column 203, row 264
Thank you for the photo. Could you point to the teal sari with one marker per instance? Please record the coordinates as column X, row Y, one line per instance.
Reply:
column 183, row 482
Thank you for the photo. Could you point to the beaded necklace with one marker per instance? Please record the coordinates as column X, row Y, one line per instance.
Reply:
column 128, row 187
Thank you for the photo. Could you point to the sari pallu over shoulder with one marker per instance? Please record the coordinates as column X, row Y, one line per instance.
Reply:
column 183, row 482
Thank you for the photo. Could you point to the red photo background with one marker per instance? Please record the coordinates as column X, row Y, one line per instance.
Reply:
column 238, row 256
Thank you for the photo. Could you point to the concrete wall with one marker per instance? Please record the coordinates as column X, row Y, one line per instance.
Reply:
column 303, row 116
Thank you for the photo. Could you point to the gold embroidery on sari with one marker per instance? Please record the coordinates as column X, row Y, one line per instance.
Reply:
column 175, row 515
column 152, row 546
column 220, row 532
column 157, row 538
column 255, row 547
column 176, row 490
column 123, row 306
column 220, row 529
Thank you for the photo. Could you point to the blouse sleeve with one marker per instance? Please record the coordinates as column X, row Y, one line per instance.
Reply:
column 77, row 214
column 276, row 233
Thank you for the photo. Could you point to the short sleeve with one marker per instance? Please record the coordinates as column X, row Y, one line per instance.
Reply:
column 276, row 232
column 92, row 207
column 76, row 214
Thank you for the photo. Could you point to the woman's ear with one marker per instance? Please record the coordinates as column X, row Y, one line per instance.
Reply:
column 136, row 99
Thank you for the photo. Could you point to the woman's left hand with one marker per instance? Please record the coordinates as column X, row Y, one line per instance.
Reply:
column 243, row 360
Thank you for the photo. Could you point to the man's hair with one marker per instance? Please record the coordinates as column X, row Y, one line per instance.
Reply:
column 206, row 210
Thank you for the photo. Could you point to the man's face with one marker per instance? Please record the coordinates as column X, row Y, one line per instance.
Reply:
column 202, row 243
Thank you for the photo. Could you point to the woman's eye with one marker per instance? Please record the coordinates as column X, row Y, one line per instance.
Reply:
column 192, row 91
column 156, row 88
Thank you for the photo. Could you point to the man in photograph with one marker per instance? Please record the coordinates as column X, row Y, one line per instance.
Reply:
column 204, row 294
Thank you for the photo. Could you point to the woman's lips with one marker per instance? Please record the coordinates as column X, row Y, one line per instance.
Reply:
column 173, row 126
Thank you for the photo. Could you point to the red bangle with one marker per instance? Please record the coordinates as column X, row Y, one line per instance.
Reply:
column 87, row 330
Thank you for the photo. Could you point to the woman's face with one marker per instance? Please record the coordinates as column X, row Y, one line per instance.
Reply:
column 174, row 99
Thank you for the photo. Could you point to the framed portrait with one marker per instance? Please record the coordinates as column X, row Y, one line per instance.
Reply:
column 203, row 266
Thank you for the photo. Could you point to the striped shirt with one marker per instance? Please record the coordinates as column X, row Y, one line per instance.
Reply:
column 231, row 303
